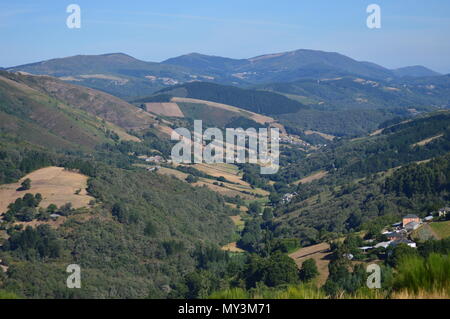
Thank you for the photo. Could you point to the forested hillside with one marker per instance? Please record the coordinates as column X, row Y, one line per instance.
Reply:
column 252, row 100
column 133, row 242
column 322, row 209
column 135, row 239
column 369, row 179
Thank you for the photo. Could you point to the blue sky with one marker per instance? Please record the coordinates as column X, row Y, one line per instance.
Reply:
column 413, row 32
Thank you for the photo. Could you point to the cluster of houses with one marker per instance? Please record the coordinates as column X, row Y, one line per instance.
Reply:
column 402, row 230
column 287, row 198
column 154, row 159
column 291, row 139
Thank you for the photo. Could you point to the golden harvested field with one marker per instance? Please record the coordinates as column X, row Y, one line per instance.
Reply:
column 320, row 253
column 237, row 220
column 325, row 136
column 427, row 140
column 232, row 174
column 172, row 172
column 229, row 171
column 242, row 208
column 232, row 248
column 164, row 109
column 254, row 116
column 228, row 190
column 312, row 177
column 56, row 185
column 377, row 132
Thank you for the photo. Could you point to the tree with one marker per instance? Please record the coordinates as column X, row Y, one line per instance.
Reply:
column 267, row 214
column 281, row 270
column 25, row 185
column 274, row 198
column 52, row 208
column 120, row 212
column 278, row 269
column 400, row 252
column 191, row 179
column 150, row 229
column 308, row 270
column 255, row 208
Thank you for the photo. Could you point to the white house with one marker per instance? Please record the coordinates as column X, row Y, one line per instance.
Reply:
column 384, row 244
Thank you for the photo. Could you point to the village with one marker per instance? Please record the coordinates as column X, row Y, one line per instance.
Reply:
column 402, row 232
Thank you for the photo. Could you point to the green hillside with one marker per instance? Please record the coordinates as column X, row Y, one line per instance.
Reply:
column 138, row 235
column 43, row 120
column 252, row 100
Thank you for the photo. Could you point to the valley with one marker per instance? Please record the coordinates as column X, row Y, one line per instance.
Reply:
column 361, row 146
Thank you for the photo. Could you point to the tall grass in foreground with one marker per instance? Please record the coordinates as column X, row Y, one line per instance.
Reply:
column 415, row 278
column 416, row 275
column 302, row 291
column 8, row 295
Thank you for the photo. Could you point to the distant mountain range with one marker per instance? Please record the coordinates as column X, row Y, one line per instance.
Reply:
column 127, row 77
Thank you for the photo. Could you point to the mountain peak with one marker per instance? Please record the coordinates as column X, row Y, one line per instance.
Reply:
column 415, row 71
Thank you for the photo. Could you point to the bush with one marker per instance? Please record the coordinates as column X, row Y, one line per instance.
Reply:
column 417, row 274
column 308, row 270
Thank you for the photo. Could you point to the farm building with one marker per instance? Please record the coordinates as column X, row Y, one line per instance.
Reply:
column 383, row 244
column 395, row 236
column 287, row 198
column 410, row 218
column 443, row 211
column 412, row 226
column 403, row 241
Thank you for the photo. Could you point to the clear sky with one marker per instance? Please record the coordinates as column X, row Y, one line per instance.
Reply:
column 413, row 31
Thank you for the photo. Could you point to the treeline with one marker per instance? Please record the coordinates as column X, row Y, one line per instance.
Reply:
column 34, row 243
column 17, row 162
column 431, row 178
column 262, row 102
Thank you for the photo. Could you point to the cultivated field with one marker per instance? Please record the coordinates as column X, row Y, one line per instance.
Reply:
column 56, row 185
column 427, row 140
column 312, row 177
column 164, row 109
column 320, row 253
column 228, row 171
column 325, row 136
column 232, row 247
column 254, row 116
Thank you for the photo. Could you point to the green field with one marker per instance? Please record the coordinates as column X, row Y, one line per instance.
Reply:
column 442, row 229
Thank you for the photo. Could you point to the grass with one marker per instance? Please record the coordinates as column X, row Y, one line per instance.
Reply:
column 320, row 253
column 417, row 275
column 442, row 229
column 232, row 247
column 302, row 291
column 56, row 185
column 8, row 295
